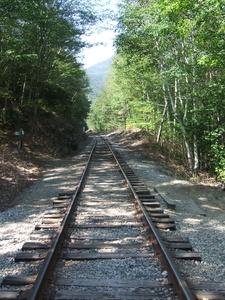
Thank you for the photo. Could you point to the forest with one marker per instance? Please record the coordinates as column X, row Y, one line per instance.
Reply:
column 168, row 79
column 41, row 76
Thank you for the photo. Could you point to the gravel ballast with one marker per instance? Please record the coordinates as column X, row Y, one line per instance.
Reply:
column 205, row 226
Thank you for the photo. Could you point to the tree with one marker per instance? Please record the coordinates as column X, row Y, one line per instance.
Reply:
column 39, row 44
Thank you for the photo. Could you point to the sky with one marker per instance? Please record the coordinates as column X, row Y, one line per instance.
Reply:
column 100, row 53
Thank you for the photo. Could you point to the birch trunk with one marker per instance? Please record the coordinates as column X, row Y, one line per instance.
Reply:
column 162, row 120
column 196, row 157
column 195, row 140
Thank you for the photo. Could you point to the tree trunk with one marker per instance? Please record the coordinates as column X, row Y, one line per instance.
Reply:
column 162, row 120
column 196, row 157
column 195, row 139
column 23, row 91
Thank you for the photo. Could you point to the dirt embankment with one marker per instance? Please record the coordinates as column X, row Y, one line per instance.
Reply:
column 199, row 196
column 40, row 151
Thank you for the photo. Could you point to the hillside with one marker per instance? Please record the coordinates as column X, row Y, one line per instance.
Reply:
column 97, row 75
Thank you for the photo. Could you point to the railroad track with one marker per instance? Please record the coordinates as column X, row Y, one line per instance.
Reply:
column 104, row 241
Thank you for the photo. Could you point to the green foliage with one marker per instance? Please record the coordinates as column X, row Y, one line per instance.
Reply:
column 39, row 44
column 216, row 140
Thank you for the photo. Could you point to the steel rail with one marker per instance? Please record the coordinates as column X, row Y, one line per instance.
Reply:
column 38, row 290
column 177, row 280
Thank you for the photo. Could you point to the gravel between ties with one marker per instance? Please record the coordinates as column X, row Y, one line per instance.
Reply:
column 113, row 203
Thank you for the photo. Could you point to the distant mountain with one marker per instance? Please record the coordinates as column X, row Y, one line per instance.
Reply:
column 97, row 76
